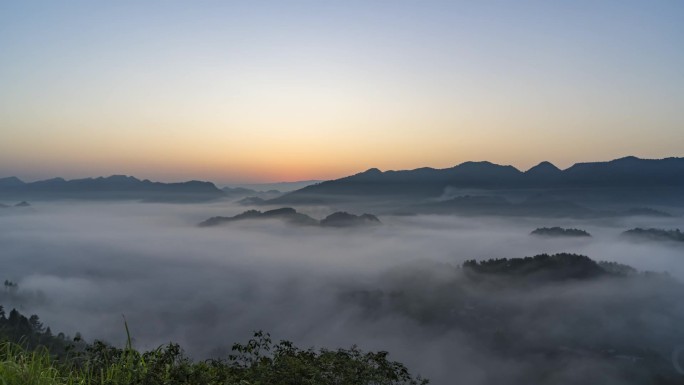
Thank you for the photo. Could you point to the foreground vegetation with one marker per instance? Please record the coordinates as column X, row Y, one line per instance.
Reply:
column 28, row 357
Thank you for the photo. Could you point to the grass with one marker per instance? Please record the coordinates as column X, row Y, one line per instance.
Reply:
column 21, row 367
column 259, row 362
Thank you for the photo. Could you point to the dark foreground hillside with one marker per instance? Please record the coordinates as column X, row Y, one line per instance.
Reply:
column 30, row 354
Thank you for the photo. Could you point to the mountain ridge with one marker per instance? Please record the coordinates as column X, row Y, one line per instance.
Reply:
column 627, row 172
column 111, row 187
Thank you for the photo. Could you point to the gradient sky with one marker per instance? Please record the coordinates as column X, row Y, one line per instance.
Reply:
column 274, row 91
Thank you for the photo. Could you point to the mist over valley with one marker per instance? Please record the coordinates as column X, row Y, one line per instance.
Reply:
column 341, row 192
column 398, row 286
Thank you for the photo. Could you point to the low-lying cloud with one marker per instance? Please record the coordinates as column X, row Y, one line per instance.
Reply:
column 80, row 266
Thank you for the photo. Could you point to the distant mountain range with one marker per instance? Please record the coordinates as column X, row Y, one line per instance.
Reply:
column 113, row 187
column 627, row 173
column 482, row 184
column 279, row 186
column 246, row 193
column 128, row 187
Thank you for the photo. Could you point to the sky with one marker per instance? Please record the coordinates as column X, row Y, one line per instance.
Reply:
column 261, row 91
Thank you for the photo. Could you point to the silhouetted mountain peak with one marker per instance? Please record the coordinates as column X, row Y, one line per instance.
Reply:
column 629, row 158
column 11, row 181
column 485, row 167
column 543, row 168
column 371, row 171
column 477, row 165
column 478, row 162
column 120, row 178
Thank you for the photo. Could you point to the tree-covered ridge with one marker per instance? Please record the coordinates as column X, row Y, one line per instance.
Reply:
column 286, row 214
column 553, row 314
column 31, row 333
column 344, row 219
column 559, row 232
column 290, row 215
column 655, row 234
column 553, row 267
column 30, row 354
column 550, row 267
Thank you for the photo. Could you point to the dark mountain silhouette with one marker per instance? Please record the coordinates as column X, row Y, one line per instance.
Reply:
column 290, row 215
column 11, row 181
column 628, row 173
column 559, row 232
column 422, row 181
column 286, row 214
column 544, row 169
column 344, row 219
column 543, row 174
column 540, row 267
column 112, row 187
column 654, row 234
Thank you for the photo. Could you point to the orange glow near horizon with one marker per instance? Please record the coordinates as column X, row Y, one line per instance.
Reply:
column 242, row 93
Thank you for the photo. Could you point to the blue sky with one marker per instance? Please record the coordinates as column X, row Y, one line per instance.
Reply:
column 265, row 91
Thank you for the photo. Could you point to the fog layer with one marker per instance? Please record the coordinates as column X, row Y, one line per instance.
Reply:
column 80, row 266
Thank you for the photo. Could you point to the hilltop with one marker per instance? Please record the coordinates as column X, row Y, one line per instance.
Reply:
column 559, row 232
column 290, row 215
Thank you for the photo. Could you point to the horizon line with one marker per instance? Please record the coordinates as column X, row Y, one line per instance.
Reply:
column 227, row 184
